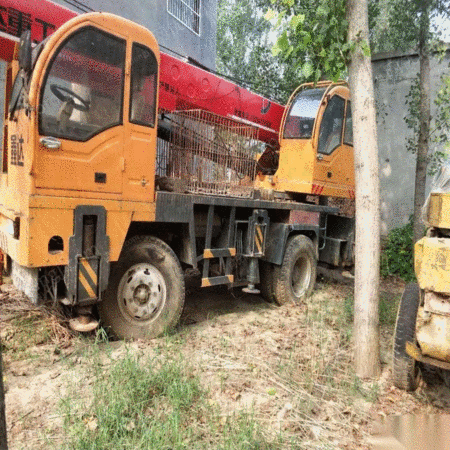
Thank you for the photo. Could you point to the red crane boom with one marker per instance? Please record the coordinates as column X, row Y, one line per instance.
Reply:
column 182, row 85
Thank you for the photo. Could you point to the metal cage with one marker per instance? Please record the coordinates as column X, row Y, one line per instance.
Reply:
column 208, row 154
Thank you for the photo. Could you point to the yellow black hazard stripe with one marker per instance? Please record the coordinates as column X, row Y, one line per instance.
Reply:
column 259, row 238
column 215, row 281
column 87, row 278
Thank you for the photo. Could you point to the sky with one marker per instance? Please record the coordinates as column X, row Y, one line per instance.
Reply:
column 444, row 26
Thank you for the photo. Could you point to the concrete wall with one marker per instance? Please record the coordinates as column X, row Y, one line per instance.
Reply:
column 393, row 74
column 169, row 32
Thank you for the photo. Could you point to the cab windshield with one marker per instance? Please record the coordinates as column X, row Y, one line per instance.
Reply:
column 83, row 89
column 302, row 114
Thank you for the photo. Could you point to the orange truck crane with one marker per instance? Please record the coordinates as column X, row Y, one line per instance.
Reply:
column 122, row 167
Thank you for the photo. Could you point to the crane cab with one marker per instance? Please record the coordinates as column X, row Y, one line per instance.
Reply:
column 81, row 131
column 316, row 143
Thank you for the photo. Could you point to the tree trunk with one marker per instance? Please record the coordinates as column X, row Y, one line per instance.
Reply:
column 424, row 123
column 3, row 441
column 367, row 248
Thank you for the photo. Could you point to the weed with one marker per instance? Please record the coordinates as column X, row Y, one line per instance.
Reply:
column 388, row 308
column 397, row 257
column 368, row 392
column 101, row 336
column 29, row 330
column 349, row 304
column 388, row 305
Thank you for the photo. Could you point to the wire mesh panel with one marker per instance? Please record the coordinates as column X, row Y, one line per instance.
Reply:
column 209, row 154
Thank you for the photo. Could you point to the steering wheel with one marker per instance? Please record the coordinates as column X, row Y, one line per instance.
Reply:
column 59, row 93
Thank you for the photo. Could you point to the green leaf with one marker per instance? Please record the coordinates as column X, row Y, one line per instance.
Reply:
column 297, row 20
column 318, row 74
column 307, row 69
column 280, row 18
column 283, row 42
column 289, row 51
column 321, row 11
column 365, row 47
column 276, row 50
column 306, row 39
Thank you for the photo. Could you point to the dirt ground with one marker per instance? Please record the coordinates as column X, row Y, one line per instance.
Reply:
column 290, row 365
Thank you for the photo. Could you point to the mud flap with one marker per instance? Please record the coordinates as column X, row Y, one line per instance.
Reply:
column 86, row 275
column 338, row 249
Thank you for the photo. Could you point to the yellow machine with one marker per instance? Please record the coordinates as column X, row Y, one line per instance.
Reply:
column 316, row 143
column 103, row 204
column 423, row 322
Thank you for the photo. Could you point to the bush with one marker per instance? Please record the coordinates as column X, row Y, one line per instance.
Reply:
column 397, row 257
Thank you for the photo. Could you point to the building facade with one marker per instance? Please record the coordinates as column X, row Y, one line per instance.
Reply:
column 187, row 27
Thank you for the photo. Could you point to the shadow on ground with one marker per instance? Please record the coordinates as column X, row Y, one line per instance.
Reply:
column 203, row 304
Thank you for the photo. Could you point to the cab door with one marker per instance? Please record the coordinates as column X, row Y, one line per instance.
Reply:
column 80, row 121
column 334, row 168
column 141, row 123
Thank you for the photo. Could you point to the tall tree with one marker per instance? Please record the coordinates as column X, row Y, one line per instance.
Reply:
column 334, row 34
column 367, row 256
column 3, row 439
column 244, row 50
column 392, row 28
column 424, row 118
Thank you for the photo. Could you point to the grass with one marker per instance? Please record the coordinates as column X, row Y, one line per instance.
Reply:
column 154, row 404
column 388, row 305
column 293, row 366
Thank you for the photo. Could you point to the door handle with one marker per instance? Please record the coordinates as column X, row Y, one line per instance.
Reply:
column 319, row 157
column 51, row 143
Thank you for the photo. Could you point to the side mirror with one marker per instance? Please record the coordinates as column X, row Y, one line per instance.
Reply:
column 25, row 51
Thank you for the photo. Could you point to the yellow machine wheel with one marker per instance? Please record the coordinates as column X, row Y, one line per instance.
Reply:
column 145, row 296
column 406, row 372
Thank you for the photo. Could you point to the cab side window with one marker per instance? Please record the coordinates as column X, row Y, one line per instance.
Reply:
column 83, row 88
column 330, row 134
column 144, row 75
column 348, row 131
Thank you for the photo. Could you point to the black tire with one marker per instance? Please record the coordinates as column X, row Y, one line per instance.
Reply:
column 145, row 296
column 406, row 372
column 267, row 281
column 294, row 280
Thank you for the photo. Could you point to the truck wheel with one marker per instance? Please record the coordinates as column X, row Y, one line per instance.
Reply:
column 406, row 372
column 145, row 295
column 267, row 281
column 294, row 280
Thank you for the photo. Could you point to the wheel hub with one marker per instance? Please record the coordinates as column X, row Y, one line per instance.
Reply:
column 301, row 275
column 142, row 292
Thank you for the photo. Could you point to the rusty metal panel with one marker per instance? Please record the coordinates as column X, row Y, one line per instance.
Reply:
column 433, row 334
column 432, row 264
column 435, row 302
column 438, row 213
column 304, row 217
